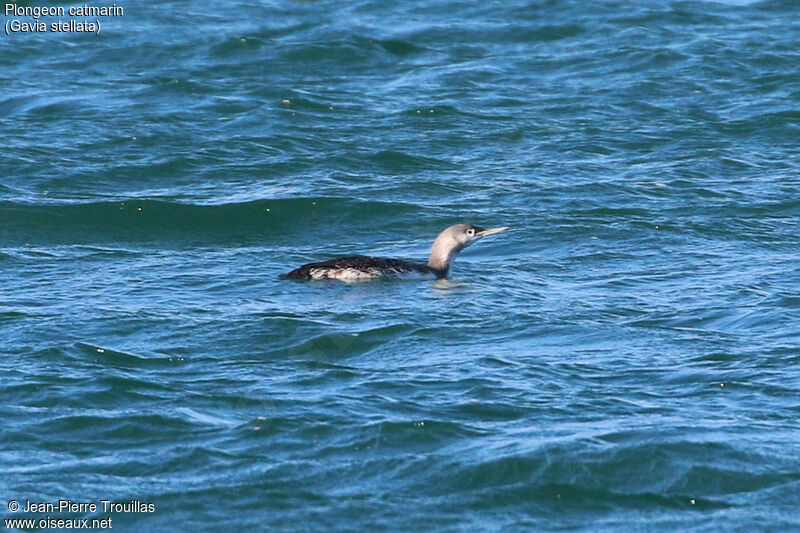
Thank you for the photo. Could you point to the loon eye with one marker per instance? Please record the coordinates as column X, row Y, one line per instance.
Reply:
column 470, row 232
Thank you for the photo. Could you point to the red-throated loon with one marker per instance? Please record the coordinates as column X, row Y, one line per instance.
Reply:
column 443, row 252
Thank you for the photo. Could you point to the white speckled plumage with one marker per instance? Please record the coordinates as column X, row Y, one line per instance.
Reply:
column 355, row 274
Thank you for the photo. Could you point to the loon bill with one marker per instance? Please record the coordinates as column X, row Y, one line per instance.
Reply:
column 443, row 252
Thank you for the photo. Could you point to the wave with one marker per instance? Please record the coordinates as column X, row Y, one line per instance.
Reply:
column 155, row 220
column 599, row 474
column 338, row 345
column 400, row 161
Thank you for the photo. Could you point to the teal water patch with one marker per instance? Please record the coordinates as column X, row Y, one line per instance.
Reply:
column 147, row 219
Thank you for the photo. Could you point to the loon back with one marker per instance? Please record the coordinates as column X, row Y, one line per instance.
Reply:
column 361, row 267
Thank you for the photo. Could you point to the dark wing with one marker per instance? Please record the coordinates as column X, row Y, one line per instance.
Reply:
column 362, row 263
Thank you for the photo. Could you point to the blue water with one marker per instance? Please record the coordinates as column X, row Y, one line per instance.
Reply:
column 626, row 356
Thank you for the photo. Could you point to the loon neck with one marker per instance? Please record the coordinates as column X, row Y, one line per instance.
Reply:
column 444, row 251
column 439, row 272
column 440, row 261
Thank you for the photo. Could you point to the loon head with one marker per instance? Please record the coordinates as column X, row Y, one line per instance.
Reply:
column 454, row 239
